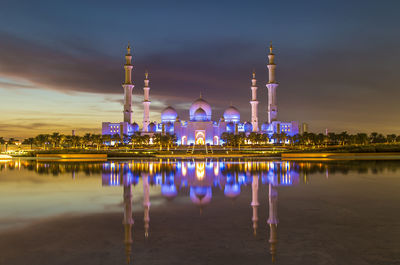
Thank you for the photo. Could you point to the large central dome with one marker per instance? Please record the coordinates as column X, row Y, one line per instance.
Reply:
column 200, row 104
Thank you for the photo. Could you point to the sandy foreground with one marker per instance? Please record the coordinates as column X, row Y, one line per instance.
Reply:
column 345, row 222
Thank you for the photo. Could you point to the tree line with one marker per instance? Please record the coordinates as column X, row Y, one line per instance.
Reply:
column 309, row 139
column 98, row 141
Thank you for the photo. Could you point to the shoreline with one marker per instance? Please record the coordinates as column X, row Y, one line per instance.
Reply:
column 85, row 157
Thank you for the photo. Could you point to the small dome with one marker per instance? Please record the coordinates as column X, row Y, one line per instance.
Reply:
column 169, row 191
column 200, row 115
column 169, row 114
column 152, row 127
column 248, row 127
column 200, row 195
column 232, row 114
column 230, row 127
column 264, row 126
column 135, row 127
column 200, row 103
column 232, row 190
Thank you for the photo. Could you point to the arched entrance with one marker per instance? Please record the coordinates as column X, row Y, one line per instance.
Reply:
column 184, row 140
column 216, row 140
column 200, row 137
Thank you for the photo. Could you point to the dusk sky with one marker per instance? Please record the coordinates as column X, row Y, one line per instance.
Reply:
column 61, row 62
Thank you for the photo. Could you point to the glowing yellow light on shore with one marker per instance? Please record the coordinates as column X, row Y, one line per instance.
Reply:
column 184, row 169
column 216, row 169
column 200, row 170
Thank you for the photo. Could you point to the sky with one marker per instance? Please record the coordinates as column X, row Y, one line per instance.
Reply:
column 61, row 62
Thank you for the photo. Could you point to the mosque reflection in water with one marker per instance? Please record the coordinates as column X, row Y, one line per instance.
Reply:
column 200, row 177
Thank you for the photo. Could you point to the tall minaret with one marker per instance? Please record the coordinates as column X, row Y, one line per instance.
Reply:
column 273, row 220
column 128, row 222
column 254, row 103
column 272, row 85
column 146, row 103
column 254, row 203
column 128, row 86
column 146, row 204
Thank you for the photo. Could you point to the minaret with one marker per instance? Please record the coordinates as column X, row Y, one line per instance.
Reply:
column 254, row 103
column 273, row 220
column 146, row 205
column 272, row 85
column 128, row 222
column 128, row 86
column 254, row 203
column 146, row 104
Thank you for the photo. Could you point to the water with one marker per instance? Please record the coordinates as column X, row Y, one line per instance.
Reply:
column 199, row 212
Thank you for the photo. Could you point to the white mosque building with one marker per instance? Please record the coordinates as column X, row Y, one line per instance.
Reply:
column 200, row 129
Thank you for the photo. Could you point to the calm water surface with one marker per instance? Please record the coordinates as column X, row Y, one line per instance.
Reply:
column 199, row 212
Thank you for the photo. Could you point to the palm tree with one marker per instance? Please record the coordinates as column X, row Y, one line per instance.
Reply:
column 332, row 138
column 264, row 138
column 117, row 138
column 2, row 141
column 239, row 139
column 320, row 139
column 372, row 137
column 362, row 138
column 98, row 140
column 381, row 138
column 55, row 139
column 62, row 140
column 225, row 137
column 343, row 137
column 276, row 137
column 11, row 141
column 126, row 138
column 391, row 138
column 157, row 139
column 87, row 139
column 106, row 139
column 135, row 139
column 76, row 140
column 42, row 140
column 284, row 137
column 29, row 141
column 145, row 139
column 295, row 139
column 253, row 137
column 68, row 140
column 170, row 139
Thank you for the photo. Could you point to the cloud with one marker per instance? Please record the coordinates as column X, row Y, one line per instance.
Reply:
column 29, row 127
column 343, row 84
column 14, row 85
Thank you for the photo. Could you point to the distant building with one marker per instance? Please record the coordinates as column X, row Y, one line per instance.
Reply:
column 304, row 127
column 201, row 129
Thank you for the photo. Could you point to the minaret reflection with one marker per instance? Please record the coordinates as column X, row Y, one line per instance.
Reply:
column 254, row 203
column 146, row 204
column 273, row 219
column 128, row 222
column 201, row 178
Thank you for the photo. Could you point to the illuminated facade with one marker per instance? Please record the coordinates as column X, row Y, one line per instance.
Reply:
column 201, row 129
column 200, row 176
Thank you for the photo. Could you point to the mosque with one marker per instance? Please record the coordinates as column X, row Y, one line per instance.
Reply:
column 201, row 129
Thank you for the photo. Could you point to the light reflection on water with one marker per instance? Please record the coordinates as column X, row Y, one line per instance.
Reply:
column 201, row 177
